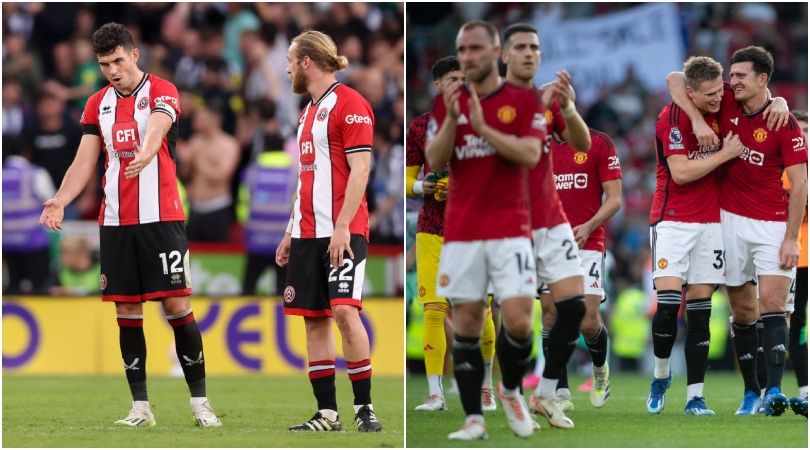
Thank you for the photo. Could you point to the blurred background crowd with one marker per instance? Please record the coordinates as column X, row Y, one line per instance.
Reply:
column 228, row 61
column 625, row 106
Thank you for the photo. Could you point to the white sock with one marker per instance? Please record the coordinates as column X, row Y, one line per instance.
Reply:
column 197, row 401
column 803, row 391
column 474, row 418
column 487, row 373
column 510, row 392
column 694, row 390
column 661, row 367
column 564, row 393
column 435, row 385
column 144, row 404
column 329, row 414
column 546, row 388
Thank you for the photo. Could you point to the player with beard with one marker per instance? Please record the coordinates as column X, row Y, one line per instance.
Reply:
column 433, row 188
column 493, row 131
column 327, row 238
column 559, row 266
column 760, row 222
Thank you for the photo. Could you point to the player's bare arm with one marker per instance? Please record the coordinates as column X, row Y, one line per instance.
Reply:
column 76, row 178
column 777, row 113
column 685, row 170
column 706, row 137
column 789, row 251
column 524, row 151
column 157, row 128
column 610, row 206
column 360, row 166
column 576, row 131
column 440, row 148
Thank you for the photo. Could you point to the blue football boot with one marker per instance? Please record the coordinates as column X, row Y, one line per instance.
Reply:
column 658, row 390
column 775, row 402
column 749, row 405
column 696, row 406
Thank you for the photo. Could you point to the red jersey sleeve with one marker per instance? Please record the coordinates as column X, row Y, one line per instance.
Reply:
column 673, row 130
column 89, row 119
column 415, row 142
column 792, row 144
column 608, row 166
column 557, row 122
column 532, row 119
column 357, row 125
column 165, row 98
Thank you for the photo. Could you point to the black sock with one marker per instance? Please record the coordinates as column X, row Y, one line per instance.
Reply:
column 745, row 344
column 696, row 350
column 322, row 378
column 775, row 345
column 564, row 335
column 360, row 376
column 188, row 341
column 797, row 330
column 762, row 361
column 468, row 365
column 133, row 351
column 514, row 356
column 562, row 382
column 665, row 322
column 598, row 347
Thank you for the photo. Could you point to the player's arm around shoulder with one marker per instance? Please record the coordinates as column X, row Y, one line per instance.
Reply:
column 76, row 178
column 676, row 83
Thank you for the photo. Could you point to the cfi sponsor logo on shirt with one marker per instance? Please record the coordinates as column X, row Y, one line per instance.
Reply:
column 352, row 119
column 506, row 114
column 474, row 147
column 760, row 135
column 571, row 181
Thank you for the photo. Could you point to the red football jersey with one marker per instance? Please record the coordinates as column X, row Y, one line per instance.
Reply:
column 751, row 185
column 579, row 177
column 694, row 202
column 488, row 197
column 120, row 121
column 431, row 216
column 339, row 123
column 547, row 210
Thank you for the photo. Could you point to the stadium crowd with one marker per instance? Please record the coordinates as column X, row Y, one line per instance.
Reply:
column 228, row 61
column 626, row 111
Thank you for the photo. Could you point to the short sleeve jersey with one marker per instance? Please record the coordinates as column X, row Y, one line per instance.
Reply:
column 431, row 216
column 751, row 185
column 120, row 121
column 693, row 202
column 579, row 176
column 547, row 210
column 338, row 124
column 489, row 198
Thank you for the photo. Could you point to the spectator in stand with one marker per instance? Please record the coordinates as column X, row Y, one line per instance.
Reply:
column 213, row 157
column 16, row 111
column 78, row 272
column 21, row 65
column 386, row 221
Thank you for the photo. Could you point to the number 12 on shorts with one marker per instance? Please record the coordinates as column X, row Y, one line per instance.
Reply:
column 176, row 258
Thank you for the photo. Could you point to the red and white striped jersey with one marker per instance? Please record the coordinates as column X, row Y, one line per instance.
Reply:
column 120, row 121
column 341, row 122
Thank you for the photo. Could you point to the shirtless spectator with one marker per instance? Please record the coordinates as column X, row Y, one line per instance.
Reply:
column 212, row 159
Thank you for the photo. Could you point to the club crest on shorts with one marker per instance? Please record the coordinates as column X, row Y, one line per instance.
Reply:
column 142, row 103
column 507, row 113
column 289, row 294
column 444, row 280
column 322, row 115
column 102, row 282
column 760, row 135
column 663, row 263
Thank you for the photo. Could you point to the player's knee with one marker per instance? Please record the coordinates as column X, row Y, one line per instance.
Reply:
column 520, row 327
column 175, row 305
column 549, row 318
column 129, row 309
column 745, row 312
column 346, row 317
column 590, row 324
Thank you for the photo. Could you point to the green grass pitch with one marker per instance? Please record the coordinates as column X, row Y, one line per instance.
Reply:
column 79, row 411
column 624, row 421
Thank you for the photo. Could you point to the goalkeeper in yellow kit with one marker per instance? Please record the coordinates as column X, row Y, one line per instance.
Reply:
column 433, row 188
